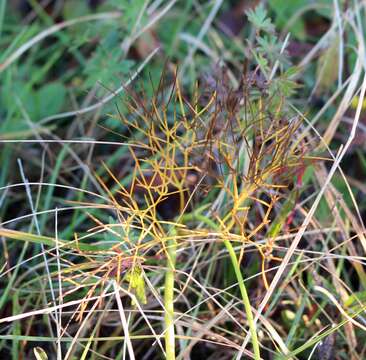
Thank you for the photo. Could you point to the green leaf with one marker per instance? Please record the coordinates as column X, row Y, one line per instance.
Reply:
column 74, row 9
column 327, row 67
column 136, row 280
column 106, row 66
column 262, row 62
column 291, row 71
column 258, row 17
column 281, row 218
column 51, row 98
column 131, row 10
column 48, row 100
column 270, row 47
column 284, row 86
column 39, row 353
column 355, row 299
column 284, row 10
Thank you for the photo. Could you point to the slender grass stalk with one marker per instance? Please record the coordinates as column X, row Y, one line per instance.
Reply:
column 245, row 297
column 169, row 299
column 239, row 277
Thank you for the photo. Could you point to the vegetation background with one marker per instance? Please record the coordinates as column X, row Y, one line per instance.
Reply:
column 182, row 179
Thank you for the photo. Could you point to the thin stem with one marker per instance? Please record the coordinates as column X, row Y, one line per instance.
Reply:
column 245, row 297
column 239, row 277
column 169, row 299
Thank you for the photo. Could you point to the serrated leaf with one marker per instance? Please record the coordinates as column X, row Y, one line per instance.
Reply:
column 106, row 67
column 293, row 70
column 258, row 17
column 39, row 353
column 131, row 11
column 285, row 86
